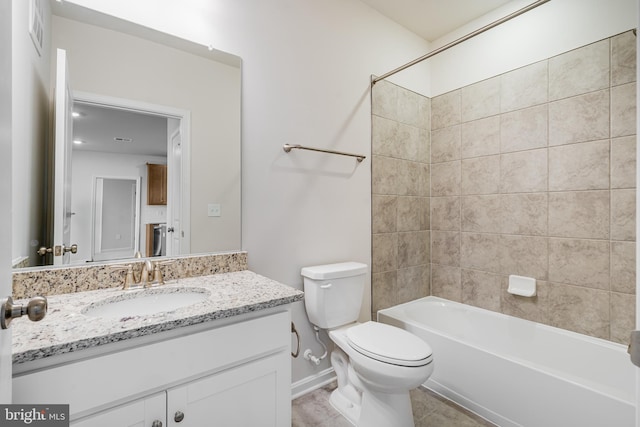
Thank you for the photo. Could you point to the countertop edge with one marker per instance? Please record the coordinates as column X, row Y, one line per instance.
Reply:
column 21, row 357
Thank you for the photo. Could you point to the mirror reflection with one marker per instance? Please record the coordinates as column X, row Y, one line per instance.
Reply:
column 156, row 167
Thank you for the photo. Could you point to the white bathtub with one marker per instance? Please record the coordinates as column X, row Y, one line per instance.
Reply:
column 514, row 372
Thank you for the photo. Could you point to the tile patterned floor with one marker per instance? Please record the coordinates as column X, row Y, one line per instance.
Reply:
column 429, row 409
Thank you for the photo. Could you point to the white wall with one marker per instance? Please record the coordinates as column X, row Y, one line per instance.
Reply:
column 30, row 104
column 306, row 73
column 86, row 166
column 548, row 30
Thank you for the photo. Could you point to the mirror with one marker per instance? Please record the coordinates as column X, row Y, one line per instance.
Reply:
column 137, row 76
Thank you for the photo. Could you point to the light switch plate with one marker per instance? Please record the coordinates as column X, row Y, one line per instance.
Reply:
column 213, row 209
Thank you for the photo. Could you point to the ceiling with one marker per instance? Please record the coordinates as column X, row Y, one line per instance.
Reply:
column 432, row 19
column 109, row 130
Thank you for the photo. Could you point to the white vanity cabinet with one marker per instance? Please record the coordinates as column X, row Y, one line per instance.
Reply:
column 237, row 374
column 141, row 413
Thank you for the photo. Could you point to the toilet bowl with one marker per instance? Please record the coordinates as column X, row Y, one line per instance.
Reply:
column 384, row 363
column 376, row 364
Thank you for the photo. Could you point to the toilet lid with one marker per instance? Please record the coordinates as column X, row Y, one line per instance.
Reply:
column 389, row 344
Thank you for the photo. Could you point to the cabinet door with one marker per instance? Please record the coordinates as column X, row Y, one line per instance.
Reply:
column 156, row 184
column 254, row 394
column 141, row 413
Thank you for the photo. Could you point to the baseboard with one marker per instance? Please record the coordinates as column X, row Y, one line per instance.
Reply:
column 311, row 383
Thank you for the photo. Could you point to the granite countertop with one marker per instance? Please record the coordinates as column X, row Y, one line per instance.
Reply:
column 67, row 329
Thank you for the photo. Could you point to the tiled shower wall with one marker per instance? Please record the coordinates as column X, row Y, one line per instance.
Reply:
column 401, row 123
column 533, row 173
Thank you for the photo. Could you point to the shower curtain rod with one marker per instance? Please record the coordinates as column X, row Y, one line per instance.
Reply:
column 460, row 40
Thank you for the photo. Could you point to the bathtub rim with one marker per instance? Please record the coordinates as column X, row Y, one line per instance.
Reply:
column 628, row 397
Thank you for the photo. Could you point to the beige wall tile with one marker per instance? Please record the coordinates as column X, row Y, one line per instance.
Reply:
column 524, row 129
column 384, row 100
column 411, row 213
column 384, row 255
column 623, row 214
column 408, row 107
column 424, row 152
column 524, row 256
column 410, row 178
column 480, row 99
column 582, row 310
column 510, row 178
column 413, row 249
column 413, row 283
column 623, row 58
column 481, row 213
column 424, row 105
column 384, row 291
column 445, row 213
column 445, row 179
column 524, row 171
column 524, row 213
column 578, row 119
column 623, row 317
column 480, row 137
column 579, row 262
column 383, row 136
column 581, row 214
column 408, row 142
column 623, row 267
column 481, row 289
column 524, row 87
column 425, row 179
column 583, row 166
column 446, row 282
column 384, row 175
column 445, row 248
column 480, row 252
column 530, row 308
column 384, row 213
column 623, row 162
column 445, row 144
column 579, row 71
column 445, row 110
column 623, row 110
column 480, row 175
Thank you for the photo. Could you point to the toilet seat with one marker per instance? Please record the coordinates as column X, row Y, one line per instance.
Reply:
column 389, row 344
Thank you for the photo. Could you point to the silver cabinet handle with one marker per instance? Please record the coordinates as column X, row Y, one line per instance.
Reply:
column 156, row 423
column 35, row 309
column 178, row 416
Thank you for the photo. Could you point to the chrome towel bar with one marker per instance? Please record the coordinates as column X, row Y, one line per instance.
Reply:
column 289, row 147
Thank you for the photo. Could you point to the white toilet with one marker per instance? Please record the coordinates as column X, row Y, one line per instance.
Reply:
column 376, row 364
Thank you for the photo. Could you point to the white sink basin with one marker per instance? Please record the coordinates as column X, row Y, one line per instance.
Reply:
column 146, row 302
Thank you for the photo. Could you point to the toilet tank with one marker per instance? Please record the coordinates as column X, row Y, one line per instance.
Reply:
column 333, row 293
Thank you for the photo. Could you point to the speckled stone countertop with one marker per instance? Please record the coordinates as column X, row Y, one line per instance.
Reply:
column 66, row 328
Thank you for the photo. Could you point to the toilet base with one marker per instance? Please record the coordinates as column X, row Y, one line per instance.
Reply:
column 345, row 407
column 385, row 409
column 380, row 409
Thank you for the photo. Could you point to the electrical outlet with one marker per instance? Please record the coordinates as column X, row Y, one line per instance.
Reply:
column 213, row 209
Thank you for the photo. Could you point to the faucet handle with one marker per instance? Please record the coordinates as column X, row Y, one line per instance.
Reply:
column 157, row 274
column 157, row 271
column 129, row 278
